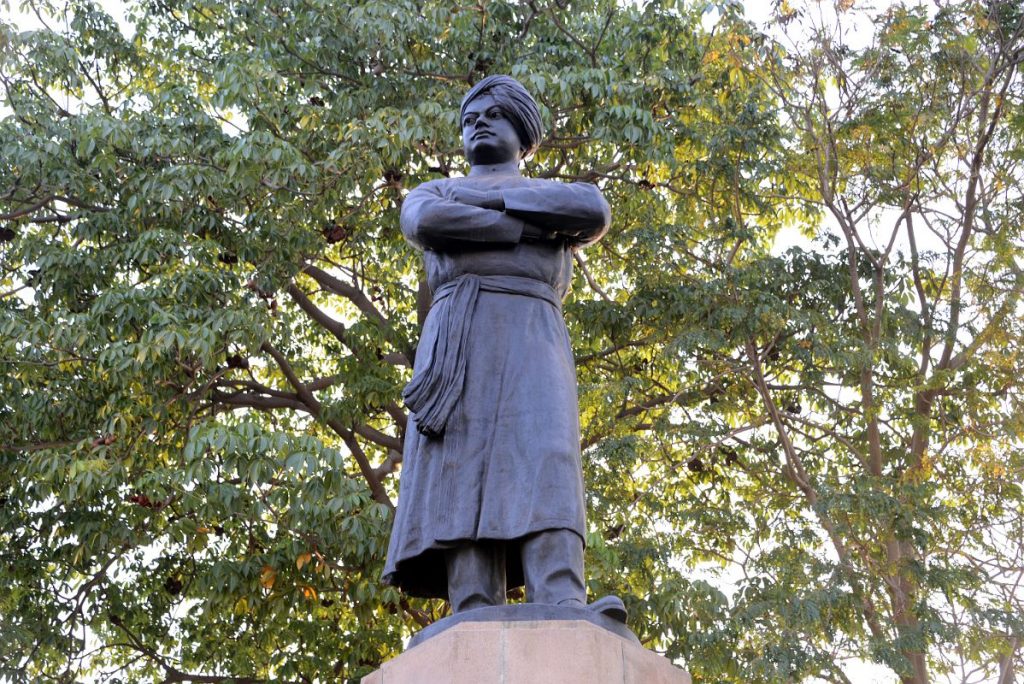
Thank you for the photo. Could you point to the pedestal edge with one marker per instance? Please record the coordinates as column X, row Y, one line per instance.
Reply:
column 524, row 612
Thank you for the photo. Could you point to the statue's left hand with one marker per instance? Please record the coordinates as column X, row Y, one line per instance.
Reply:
column 477, row 198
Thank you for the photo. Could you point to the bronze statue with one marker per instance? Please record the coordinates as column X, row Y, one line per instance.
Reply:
column 492, row 488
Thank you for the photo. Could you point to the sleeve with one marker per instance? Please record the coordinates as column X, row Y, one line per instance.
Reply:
column 576, row 210
column 431, row 221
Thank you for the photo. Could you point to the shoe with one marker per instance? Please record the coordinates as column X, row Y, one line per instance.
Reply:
column 612, row 606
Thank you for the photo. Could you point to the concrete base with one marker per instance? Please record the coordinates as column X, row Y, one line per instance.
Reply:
column 523, row 612
column 528, row 652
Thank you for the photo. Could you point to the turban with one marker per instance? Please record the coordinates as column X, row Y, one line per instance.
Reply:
column 517, row 104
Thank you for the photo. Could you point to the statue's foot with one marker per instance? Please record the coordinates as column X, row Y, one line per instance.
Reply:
column 612, row 606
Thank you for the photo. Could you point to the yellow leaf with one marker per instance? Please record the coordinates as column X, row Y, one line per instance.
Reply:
column 241, row 606
column 309, row 592
column 303, row 559
column 267, row 577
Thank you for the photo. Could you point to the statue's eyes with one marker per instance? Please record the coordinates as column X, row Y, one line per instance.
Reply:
column 470, row 119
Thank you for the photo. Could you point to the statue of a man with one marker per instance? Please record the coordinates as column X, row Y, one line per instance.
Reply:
column 492, row 487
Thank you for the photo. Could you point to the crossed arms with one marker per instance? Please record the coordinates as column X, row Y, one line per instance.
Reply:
column 445, row 216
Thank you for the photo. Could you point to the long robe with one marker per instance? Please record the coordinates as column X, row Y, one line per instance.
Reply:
column 508, row 462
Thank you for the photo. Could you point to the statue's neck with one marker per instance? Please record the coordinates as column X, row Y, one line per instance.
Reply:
column 505, row 169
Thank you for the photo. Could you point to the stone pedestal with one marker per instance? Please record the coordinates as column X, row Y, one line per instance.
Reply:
column 528, row 652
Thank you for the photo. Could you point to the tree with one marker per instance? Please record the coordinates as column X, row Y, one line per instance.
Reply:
column 909, row 147
column 207, row 315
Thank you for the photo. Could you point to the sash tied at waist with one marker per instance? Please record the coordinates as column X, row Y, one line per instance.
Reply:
column 437, row 386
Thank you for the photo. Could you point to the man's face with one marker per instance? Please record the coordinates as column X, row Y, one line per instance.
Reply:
column 488, row 136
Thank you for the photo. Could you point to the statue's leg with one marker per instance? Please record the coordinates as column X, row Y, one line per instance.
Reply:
column 476, row 575
column 553, row 568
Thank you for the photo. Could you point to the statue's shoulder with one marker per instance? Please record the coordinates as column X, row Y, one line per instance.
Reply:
column 437, row 186
column 433, row 184
column 529, row 181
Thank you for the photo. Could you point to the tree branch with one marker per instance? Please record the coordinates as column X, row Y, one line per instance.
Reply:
column 349, row 292
column 336, row 328
column 348, row 436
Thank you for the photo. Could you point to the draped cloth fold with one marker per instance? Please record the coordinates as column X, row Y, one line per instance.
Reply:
column 437, row 385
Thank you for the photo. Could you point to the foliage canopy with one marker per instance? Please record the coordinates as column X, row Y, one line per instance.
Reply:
column 794, row 457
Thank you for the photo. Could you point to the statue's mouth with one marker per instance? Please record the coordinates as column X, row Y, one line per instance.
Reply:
column 481, row 134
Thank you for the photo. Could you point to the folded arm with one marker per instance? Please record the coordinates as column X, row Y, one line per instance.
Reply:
column 577, row 211
column 432, row 220
column 438, row 217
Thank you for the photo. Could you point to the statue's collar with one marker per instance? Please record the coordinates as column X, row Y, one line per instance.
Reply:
column 506, row 169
